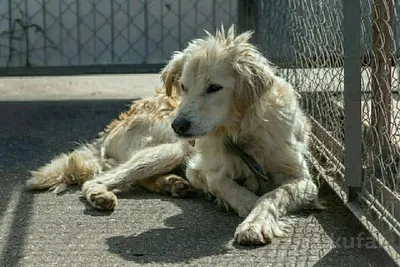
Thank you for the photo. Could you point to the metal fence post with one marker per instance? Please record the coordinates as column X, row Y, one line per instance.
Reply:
column 242, row 15
column 352, row 97
column 381, row 82
column 10, row 28
column 247, row 17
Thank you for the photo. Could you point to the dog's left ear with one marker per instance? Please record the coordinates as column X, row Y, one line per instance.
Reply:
column 171, row 73
column 255, row 78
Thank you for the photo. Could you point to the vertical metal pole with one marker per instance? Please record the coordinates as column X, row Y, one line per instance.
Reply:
column 242, row 10
column 78, row 26
column 146, row 33
column 230, row 12
column 94, row 32
column 44, row 10
column 112, row 32
column 246, row 14
column 352, row 97
column 214, row 15
column 27, row 36
column 128, row 14
column 60, row 23
column 396, row 30
column 162, row 30
column 382, row 40
column 10, row 29
column 196, row 17
column 180, row 24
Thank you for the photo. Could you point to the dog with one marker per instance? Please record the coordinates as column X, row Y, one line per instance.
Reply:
column 219, row 90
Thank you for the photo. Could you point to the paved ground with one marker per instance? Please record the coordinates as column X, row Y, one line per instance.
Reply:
column 42, row 229
column 79, row 87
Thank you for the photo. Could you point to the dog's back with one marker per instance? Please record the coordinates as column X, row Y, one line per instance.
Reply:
column 145, row 124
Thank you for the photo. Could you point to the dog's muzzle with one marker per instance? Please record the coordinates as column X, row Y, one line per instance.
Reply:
column 181, row 125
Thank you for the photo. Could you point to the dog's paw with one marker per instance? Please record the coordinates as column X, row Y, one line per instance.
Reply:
column 176, row 186
column 98, row 195
column 259, row 231
column 104, row 200
column 252, row 233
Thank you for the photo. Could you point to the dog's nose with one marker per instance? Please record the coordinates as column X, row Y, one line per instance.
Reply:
column 181, row 125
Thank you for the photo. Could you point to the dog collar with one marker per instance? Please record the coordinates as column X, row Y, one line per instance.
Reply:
column 254, row 167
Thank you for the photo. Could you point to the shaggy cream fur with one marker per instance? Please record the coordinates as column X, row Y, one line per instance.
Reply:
column 224, row 87
column 229, row 89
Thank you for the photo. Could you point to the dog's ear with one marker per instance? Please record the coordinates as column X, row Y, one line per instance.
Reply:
column 171, row 73
column 254, row 78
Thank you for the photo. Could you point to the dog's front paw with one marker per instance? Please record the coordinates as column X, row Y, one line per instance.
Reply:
column 252, row 233
column 260, row 230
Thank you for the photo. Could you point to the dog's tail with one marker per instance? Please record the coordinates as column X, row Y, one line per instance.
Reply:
column 68, row 169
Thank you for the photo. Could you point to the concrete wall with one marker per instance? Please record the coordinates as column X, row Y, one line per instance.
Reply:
column 112, row 31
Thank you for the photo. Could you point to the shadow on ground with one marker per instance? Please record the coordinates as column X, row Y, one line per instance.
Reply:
column 193, row 234
column 32, row 133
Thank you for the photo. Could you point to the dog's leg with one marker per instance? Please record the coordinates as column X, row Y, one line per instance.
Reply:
column 236, row 196
column 263, row 222
column 197, row 179
column 145, row 163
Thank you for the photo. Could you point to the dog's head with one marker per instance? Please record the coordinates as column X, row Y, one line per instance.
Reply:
column 219, row 78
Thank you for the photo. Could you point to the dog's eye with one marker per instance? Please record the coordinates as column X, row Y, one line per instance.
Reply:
column 183, row 88
column 213, row 88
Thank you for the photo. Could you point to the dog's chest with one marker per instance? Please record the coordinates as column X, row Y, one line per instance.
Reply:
column 217, row 156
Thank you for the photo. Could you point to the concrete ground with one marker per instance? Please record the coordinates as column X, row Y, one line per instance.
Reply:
column 41, row 117
column 85, row 87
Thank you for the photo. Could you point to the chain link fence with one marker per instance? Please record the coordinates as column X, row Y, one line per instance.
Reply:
column 102, row 35
column 342, row 56
column 344, row 59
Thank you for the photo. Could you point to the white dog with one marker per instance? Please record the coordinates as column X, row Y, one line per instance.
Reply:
column 226, row 91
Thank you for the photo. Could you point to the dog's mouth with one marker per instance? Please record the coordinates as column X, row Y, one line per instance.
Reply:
column 192, row 137
column 189, row 137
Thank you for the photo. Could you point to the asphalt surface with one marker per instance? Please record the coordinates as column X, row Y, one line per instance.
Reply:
column 42, row 229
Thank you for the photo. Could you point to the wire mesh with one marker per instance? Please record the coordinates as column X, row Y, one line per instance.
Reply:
column 380, row 108
column 100, row 32
column 305, row 39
